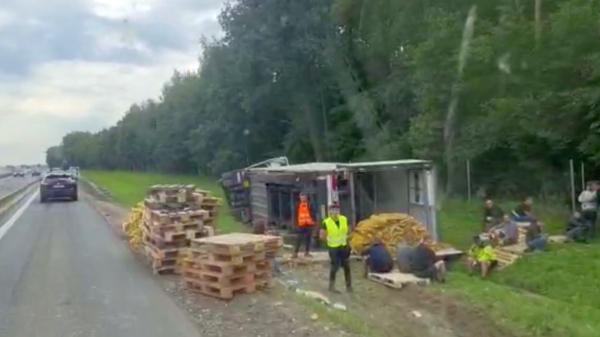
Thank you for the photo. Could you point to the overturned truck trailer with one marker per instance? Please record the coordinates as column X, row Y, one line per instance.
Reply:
column 361, row 189
column 236, row 188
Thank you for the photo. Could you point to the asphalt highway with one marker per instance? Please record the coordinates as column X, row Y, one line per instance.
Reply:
column 10, row 184
column 64, row 273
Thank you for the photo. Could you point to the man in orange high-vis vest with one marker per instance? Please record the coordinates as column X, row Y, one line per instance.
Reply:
column 305, row 220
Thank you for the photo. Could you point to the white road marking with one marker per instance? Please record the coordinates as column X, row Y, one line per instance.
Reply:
column 11, row 222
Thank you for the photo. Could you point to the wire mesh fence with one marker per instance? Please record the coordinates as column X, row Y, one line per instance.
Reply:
column 475, row 182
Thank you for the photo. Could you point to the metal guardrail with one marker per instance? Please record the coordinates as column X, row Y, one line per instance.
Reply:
column 7, row 199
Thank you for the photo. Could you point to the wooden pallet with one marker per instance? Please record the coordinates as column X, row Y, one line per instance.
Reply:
column 508, row 255
column 224, row 268
column 396, row 279
column 218, row 292
column 161, row 263
column 161, row 230
column 170, row 270
column 227, row 288
column 162, row 217
column 237, row 243
column 160, row 253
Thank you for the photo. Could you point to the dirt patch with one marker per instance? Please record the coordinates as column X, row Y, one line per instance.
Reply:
column 269, row 313
column 411, row 311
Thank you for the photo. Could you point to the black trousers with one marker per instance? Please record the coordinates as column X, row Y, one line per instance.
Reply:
column 340, row 257
column 305, row 234
column 590, row 217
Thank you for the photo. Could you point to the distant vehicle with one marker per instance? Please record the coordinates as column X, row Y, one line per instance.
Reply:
column 58, row 185
column 74, row 170
column 36, row 173
column 19, row 174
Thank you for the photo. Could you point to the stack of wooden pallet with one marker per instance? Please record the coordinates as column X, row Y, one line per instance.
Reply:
column 172, row 217
column 225, row 265
column 207, row 202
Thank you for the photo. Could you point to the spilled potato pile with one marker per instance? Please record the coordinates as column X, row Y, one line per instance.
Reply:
column 391, row 229
column 133, row 226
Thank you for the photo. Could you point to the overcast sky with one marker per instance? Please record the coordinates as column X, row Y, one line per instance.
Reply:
column 69, row 65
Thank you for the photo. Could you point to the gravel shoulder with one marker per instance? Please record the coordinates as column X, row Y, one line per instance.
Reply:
column 269, row 313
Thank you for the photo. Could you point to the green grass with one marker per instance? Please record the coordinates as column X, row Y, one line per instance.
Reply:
column 550, row 294
column 129, row 188
column 554, row 293
column 461, row 220
column 527, row 314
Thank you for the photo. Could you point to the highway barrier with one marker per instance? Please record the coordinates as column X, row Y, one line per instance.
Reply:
column 13, row 198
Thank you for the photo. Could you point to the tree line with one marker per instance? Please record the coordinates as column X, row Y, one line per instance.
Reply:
column 510, row 85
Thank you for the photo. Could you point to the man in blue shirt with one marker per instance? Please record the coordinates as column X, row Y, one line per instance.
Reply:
column 378, row 259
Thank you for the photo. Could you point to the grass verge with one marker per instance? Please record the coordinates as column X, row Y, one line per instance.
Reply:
column 129, row 188
column 551, row 294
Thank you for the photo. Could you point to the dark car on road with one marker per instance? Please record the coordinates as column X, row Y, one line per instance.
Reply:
column 18, row 174
column 58, row 185
column 36, row 173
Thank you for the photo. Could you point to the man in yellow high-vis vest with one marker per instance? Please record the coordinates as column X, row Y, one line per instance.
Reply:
column 335, row 231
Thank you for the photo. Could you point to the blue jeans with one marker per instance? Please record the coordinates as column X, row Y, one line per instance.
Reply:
column 522, row 218
column 537, row 243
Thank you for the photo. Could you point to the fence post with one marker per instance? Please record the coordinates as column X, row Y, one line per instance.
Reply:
column 468, row 180
column 572, row 173
column 582, row 176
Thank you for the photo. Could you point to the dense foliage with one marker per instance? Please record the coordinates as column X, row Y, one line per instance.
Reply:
column 510, row 85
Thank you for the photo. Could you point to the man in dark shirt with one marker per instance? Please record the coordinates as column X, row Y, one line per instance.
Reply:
column 378, row 259
column 492, row 215
column 425, row 264
column 535, row 238
column 577, row 228
column 404, row 256
column 523, row 213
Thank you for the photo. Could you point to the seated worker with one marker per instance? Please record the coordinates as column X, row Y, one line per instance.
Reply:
column 535, row 239
column 523, row 212
column 482, row 256
column 404, row 257
column 378, row 259
column 425, row 264
column 492, row 215
column 577, row 228
column 506, row 233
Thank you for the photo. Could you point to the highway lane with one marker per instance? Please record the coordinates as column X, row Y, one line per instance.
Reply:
column 11, row 184
column 63, row 273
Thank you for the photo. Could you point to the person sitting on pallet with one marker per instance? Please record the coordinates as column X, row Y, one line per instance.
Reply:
column 377, row 258
column 481, row 256
column 577, row 228
column 523, row 212
column 306, row 216
column 424, row 263
column 535, row 238
column 492, row 215
column 404, row 257
column 506, row 233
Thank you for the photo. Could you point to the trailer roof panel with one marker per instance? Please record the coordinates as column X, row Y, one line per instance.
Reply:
column 385, row 163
